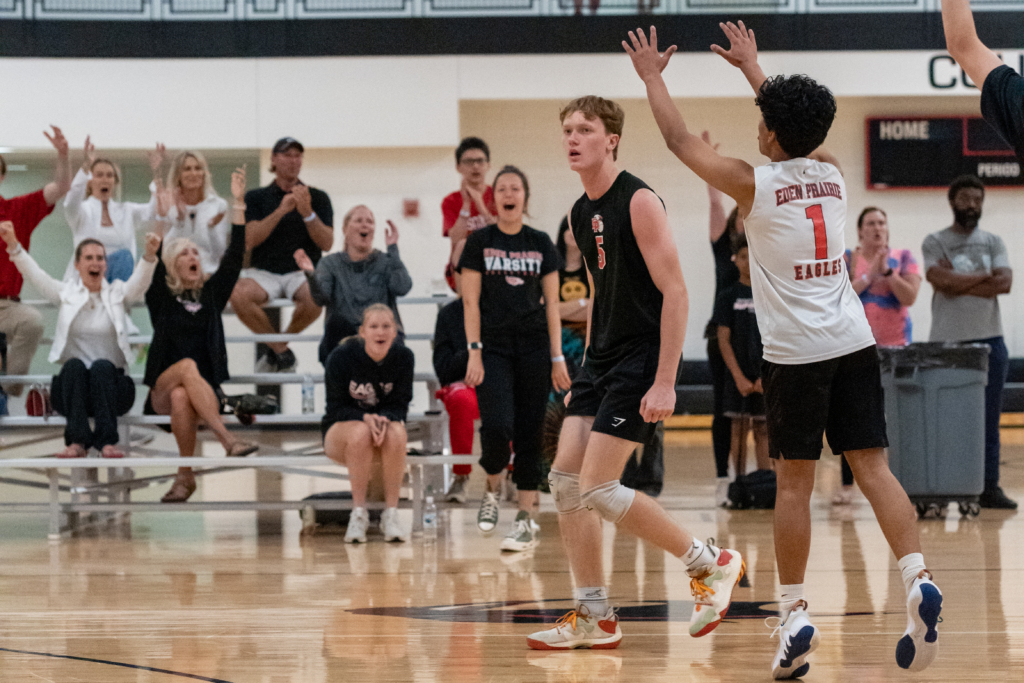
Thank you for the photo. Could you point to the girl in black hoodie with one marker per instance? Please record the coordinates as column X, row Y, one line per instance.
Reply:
column 369, row 386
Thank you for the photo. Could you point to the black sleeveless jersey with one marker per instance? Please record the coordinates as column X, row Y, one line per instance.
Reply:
column 627, row 304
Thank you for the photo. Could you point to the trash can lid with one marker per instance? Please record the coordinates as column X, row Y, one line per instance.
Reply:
column 934, row 355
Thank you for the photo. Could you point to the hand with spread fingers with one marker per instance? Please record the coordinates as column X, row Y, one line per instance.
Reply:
column 644, row 54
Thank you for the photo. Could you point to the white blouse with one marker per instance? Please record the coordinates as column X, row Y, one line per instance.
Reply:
column 208, row 225
column 92, row 336
column 85, row 217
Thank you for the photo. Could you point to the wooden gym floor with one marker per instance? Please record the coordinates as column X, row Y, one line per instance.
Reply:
column 207, row 597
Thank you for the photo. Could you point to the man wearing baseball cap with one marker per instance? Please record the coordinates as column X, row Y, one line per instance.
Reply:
column 281, row 218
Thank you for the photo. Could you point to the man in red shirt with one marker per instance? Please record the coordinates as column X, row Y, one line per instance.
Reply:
column 472, row 206
column 23, row 324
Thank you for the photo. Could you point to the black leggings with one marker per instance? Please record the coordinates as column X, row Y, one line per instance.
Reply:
column 102, row 391
column 721, row 426
column 512, row 400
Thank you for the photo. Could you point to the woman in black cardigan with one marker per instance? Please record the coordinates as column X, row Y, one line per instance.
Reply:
column 187, row 359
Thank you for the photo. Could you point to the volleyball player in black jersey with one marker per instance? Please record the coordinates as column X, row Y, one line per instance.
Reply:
column 625, row 387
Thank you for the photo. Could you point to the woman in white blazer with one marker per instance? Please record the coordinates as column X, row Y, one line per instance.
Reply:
column 93, row 211
column 91, row 340
column 196, row 212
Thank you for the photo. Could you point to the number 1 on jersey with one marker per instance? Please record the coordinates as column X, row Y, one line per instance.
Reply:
column 600, row 252
column 814, row 215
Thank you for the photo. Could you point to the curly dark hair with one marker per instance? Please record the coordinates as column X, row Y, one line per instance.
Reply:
column 965, row 181
column 799, row 110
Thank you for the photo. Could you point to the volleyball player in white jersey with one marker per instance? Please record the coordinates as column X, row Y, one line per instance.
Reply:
column 821, row 372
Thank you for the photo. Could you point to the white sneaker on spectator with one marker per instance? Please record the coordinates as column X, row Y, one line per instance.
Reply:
column 358, row 522
column 390, row 527
column 266, row 362
column 722, row 492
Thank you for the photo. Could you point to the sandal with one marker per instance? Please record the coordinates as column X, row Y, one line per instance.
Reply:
column 72, row 451
column 180, row 491
column 242, row 448
column 112, row 451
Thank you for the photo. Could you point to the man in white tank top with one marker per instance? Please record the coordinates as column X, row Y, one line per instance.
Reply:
column 821, row 373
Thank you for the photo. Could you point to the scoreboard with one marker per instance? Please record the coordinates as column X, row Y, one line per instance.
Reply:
column 929, row 152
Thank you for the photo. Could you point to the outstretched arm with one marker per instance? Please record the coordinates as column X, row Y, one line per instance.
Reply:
column 55, row 190
column 963, row 43
column 742, row 53
column 732, row 176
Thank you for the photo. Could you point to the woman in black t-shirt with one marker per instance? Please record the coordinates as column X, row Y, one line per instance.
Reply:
column 510, row 293
column 369, row 387
column 187, row 359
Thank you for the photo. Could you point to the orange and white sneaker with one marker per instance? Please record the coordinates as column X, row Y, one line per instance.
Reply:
column 712, row 591
column 579, row 628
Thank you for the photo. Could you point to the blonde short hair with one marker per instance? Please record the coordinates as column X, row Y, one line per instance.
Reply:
column 171, row 253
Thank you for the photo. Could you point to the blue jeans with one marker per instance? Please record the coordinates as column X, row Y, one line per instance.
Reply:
column 120, row 265
column 998, row 364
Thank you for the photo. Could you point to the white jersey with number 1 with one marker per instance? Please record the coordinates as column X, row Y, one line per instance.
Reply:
column 807, row 310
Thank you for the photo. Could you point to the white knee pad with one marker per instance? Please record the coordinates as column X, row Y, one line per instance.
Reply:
column 612, row 500
column 565, row 488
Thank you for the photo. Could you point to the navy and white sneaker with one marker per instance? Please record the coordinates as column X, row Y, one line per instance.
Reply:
column 798, row 637
column 919, row 645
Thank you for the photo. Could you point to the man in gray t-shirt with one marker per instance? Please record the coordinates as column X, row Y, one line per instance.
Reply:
column 969, row 269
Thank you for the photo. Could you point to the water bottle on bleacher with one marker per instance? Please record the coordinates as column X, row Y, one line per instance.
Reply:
column 308, row 394
column 430, row 517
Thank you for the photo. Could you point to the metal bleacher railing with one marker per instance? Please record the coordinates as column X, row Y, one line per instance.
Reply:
column 231, row 10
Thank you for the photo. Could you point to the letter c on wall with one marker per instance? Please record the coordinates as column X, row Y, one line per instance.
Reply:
column 931, row 71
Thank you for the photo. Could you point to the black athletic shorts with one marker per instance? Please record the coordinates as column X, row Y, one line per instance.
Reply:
column 613, row 397
column 840, row 397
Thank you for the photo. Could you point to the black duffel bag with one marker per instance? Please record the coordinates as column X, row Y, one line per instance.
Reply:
column 754, row 491
column 339, row 517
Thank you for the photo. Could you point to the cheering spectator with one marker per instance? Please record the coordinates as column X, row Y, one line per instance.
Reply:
column 739, row 340
column 281, row 218
column 196, row 211
column 94, row 211
column 187, row 359
column 472, row 206
column 91, row 341
column 968, row 269
column 369, row 387
column 887, row 282
column 348, row 281
column 510, row 293
column 23, row 324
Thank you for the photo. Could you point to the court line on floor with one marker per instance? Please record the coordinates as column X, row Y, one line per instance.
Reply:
column 121, row 664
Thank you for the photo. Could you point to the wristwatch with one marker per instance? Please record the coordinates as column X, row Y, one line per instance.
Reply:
column 887, row 273
column 474, row 346
column 464, row 213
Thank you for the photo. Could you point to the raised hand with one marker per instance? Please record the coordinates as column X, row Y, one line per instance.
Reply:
column 156, row 157
column 152, row 244
column 706, row 137
column 238, row 184
column 742, row 45
column 303, row 261
column 644, row 54
column 90, row 154
column 7, row 233
column 391, row 234
column 58, row 141
column 303, row 200
column 164, row 200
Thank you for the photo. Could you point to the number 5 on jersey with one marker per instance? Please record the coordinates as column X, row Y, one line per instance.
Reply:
column 600, row 252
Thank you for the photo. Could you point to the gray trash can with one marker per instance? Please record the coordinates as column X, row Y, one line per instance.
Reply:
column 935, row 414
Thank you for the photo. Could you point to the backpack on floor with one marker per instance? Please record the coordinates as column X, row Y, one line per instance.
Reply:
column 754, row 491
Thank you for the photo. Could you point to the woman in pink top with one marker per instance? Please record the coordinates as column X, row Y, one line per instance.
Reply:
column 887, row 282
